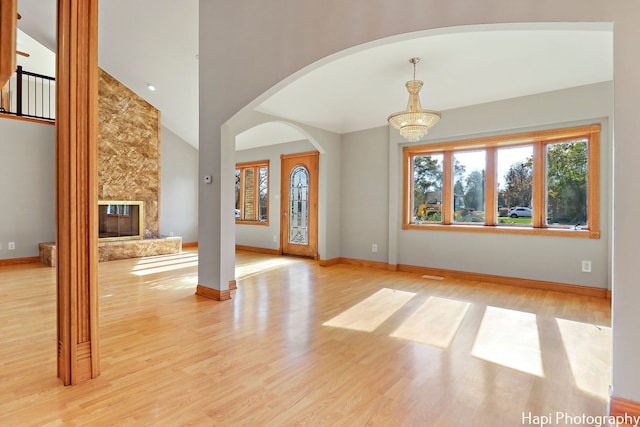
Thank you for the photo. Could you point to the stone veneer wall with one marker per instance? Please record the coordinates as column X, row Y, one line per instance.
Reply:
column 129, row 150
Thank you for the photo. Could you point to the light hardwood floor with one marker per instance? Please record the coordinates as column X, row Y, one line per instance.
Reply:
column 305, row 345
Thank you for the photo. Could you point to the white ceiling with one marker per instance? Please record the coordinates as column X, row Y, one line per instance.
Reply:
column 140, row 42
column 40, row 60
column 156, row 41
column 359, row 91
column 272, row 132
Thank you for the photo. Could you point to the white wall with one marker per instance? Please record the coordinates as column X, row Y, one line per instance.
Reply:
column 365, row 195
column 261, row 236
column 178, row 187
column 329, row 201
column 27, row 183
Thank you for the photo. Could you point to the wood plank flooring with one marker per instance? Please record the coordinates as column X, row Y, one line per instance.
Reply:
column 284, row 352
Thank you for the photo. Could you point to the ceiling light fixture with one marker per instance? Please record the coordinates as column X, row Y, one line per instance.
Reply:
column 414, row 122
column 151, row 87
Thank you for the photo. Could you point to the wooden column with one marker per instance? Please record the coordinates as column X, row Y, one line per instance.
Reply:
column 8, row 19
column 5, row 97
column 77, row 190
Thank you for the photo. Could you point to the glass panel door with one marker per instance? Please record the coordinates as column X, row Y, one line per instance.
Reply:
column 299, row 206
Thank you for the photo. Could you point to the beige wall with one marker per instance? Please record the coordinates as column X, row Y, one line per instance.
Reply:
column 27, row 187
column 179, row 189
column 129, row 150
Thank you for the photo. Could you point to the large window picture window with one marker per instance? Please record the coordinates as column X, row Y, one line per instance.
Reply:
column 252, row 193
column 543, row 182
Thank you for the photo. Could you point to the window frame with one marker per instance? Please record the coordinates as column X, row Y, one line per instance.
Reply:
column 256, row 166
column 539, row 140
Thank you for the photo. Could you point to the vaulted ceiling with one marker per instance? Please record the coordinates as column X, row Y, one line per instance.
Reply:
column 155, row 42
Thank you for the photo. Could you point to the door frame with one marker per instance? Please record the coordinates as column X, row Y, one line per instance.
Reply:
column 312, row 164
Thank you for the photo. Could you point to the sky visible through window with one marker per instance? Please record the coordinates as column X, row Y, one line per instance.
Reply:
column 508, row 157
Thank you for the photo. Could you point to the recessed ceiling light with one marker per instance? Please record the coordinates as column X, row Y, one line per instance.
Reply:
column 151, row 87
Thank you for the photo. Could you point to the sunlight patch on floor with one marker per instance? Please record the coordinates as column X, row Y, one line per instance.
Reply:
column 155, row 258
column 146, row 263
column 371, row 312
column 588, row 349
column 434, row 323
column 510, row 338
column 188, row 282
column 161, row 267
column 245, row 271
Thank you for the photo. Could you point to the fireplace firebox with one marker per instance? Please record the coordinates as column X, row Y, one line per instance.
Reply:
column 120, row 220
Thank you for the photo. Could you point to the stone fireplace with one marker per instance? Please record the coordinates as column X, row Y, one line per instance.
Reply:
column 128, row 178
column 129, row 151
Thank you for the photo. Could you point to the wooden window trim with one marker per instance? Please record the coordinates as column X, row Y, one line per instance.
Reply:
column 447, row 186
column 256, row 171
column 490, row 199
column 539, row 140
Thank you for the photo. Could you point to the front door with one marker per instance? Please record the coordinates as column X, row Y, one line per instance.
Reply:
column 299, row 219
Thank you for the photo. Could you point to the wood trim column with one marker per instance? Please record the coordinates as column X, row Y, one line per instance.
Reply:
column 539, row 219
column 77, row 190
column 448, row 198
column 8, row 25
column 491, row 188
column 5, row 97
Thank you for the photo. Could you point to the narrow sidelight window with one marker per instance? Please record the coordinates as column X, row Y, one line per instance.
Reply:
column 252, row 193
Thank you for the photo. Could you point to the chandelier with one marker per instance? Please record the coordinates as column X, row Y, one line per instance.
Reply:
column 414, row 122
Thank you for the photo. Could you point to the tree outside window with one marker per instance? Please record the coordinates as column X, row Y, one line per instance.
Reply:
column 427, row 188
column 567, row 179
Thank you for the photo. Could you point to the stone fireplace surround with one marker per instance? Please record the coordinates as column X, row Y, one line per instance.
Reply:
column 129, row 150
column 128, row 169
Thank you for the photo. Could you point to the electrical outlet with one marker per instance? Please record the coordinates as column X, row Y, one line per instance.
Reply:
column 275, row 238
column 11, row 246
column 586, row 266
column 374, row 248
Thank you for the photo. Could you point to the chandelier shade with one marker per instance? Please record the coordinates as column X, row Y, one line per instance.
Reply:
column 414, row 122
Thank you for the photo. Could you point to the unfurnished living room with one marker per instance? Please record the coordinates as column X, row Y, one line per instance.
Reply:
column 434, row 213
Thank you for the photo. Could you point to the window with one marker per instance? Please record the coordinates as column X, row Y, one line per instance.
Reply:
column 514, row 166
column 252, row 193
column 533, row 183
column 469, row 186
column 427, row 188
